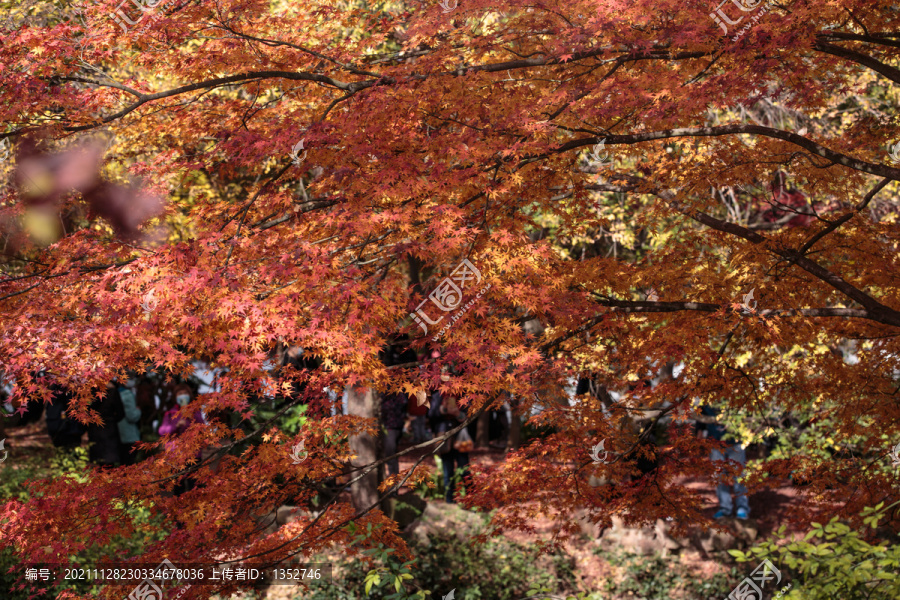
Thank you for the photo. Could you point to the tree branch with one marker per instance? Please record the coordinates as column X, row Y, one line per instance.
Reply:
column 859, row 58
column 835, row 157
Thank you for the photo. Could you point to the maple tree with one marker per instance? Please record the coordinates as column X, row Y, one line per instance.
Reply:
column 623, row 174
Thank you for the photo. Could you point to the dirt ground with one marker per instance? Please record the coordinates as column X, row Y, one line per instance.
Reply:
column 768, row 510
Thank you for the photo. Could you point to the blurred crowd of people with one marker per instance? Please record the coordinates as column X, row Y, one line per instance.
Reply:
column 139, row 409
column 145, row 408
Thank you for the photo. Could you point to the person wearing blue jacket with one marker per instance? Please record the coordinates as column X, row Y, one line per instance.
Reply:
column 129, row 432
column 733, row 452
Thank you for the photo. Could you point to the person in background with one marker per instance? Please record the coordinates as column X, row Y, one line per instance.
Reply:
column 733, row 452
column 104, row 437
column 416, row 404
column 173, row 424
column 64, row 431
column 34, row 406
column 219, row 420
column 145, row 396
column 395, row 404
column 393, row 416
column 645, row 456
column 417, row 407
column 129, row 431
column 499, row 427
column 444, row 415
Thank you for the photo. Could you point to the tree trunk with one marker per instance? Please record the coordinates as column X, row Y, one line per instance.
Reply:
column 481, row 433
column 364, row 493
column 515, row 426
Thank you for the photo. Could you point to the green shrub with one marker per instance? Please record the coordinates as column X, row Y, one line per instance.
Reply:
column 28, row 468
column 8, row 560
column 833, row 561
column 74, row 464
column 500, row 569
column 658, row 578
column 497, row 570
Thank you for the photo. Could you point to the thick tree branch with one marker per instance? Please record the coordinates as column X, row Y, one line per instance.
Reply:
column 656, row 307
column 352, row 87
column 874, row 310
column 211, row 83
column 835, row 157
column 859, row 58
column 843, row 219
column 884, row 39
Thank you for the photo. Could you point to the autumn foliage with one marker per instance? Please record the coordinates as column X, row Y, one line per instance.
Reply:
column 432, row 136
